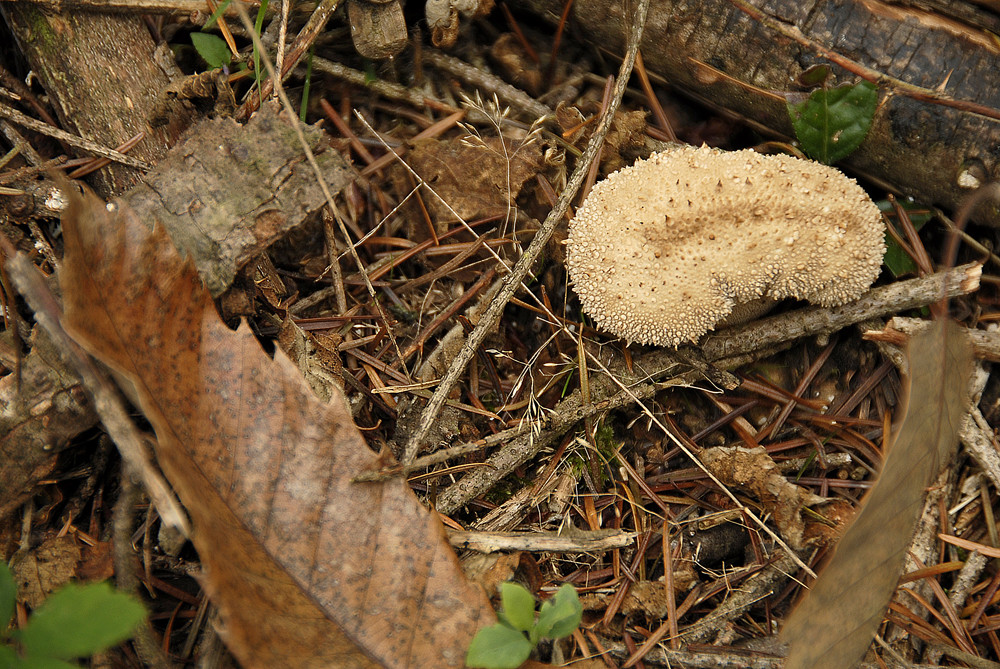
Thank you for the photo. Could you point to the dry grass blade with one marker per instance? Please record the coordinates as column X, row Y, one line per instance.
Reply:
column 307, row 568
column 835, row 624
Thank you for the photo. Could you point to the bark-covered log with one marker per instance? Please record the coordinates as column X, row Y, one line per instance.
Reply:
column 936, row 133
column 103, row 82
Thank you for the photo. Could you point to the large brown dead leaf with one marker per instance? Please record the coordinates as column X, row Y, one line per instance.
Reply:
column 307, row 568
column 835, row 624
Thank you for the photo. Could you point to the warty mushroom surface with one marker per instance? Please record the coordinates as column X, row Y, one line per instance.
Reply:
column 661, row 251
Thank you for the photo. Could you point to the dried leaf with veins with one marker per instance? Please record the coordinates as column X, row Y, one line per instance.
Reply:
column 833, row 627
column 307, row 568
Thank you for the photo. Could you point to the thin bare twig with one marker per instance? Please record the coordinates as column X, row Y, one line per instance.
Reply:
column 108, row 404
column 728, row 351
column 473, row 75
column 73, row 140
column 492, row 314
column 579, row 541
column 294, row 118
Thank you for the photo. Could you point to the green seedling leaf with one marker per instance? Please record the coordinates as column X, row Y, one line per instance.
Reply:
column 832, row 122
column 561, row 614
column 518, row 606
column 498, row 647
column 896, row 259
column 78, row 621
column 212, row 49
column 42, row 662
column 8, row 592
column 256, row 53
column 216, row 14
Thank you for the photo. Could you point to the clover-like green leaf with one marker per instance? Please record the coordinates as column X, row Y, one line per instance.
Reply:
column 8, row 657
column 41, row 662
column 561, row 614
column 833, row 122
column 78, row 621
column 498, row 647
column 518, row 606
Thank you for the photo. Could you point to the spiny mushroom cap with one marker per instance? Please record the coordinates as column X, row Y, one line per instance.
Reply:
column 660, row 252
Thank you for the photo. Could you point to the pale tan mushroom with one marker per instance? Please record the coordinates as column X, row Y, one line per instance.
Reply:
column 660, row 252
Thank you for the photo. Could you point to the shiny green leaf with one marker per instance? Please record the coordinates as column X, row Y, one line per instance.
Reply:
column 833, row 122
column 518, row 606
column 561, row 614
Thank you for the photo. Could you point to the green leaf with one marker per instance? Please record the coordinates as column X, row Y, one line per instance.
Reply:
column 212, row 49
column 896, row 259
column 256, row 54
column 561, row 614
column 518, row 606
column 8, row 658
column 814, row 75
column 78, row 621
column 43, row 662
column 8, row 593
column 216, row 14
column 832, row 122
column 498, row 647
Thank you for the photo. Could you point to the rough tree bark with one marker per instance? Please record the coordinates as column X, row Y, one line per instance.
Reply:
column 102, row 80
column 936, row 133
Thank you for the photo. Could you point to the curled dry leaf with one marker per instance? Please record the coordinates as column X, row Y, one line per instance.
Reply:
column 833, row 627
column 307, row 568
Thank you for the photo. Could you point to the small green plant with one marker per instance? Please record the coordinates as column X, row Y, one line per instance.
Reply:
column 832, row 122
column 896, row 259
column 75, row 621
column 509, row 643
column 212, row 49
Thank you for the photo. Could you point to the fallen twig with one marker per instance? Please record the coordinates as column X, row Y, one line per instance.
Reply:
column 728, row 349
column 580, row 541
column 492, row 315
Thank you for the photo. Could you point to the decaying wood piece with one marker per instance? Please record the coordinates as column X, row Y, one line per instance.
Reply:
column 228, row 191
column 100, row 75
column 377, row 27
column 39, row 413
column 936, row 134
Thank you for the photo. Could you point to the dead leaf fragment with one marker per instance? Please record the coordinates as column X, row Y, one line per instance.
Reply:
column 475, row 180
column 307, row 568
column 40, row 411
column 833, row 627
column 45, row 568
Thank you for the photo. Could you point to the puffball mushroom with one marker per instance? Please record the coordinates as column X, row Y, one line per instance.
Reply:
column 661, row 251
